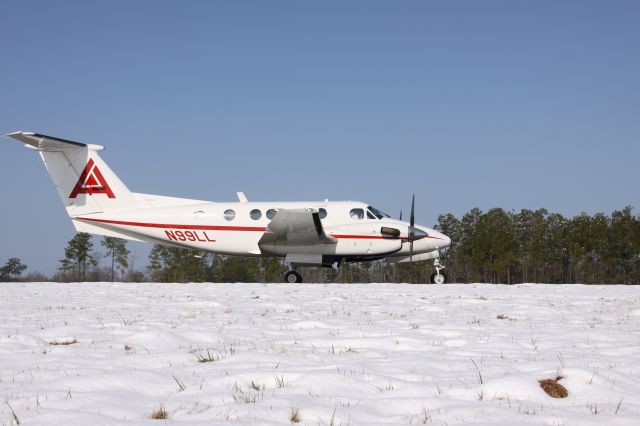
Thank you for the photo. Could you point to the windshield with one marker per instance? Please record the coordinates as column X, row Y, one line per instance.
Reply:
column 379, row 214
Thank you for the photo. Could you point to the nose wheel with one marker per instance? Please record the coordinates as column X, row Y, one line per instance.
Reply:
column 439, row 276
column 292, row 277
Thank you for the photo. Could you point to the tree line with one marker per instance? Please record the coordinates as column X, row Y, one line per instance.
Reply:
column 495, row 246
column 498, row 246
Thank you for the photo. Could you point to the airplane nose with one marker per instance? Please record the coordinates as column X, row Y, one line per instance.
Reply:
column 439, row 238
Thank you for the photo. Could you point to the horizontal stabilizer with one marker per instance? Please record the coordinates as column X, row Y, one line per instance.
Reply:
column 48, row 143
column 90, row 228
column 108, row 231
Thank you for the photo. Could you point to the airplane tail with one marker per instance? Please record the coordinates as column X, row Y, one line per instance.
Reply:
column 84, row 182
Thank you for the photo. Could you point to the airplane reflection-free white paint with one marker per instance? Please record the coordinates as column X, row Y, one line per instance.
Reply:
column 314, row 233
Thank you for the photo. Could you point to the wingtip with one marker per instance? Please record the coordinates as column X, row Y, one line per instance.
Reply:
column 18, row 133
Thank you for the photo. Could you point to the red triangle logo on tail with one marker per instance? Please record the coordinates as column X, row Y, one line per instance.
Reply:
column 91, row 182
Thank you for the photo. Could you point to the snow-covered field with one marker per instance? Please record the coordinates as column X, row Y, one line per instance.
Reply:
column 104, row 353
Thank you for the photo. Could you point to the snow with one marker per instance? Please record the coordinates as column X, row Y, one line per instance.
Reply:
column 112, row 353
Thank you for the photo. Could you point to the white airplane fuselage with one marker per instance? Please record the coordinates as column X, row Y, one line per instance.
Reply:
column 203, row 226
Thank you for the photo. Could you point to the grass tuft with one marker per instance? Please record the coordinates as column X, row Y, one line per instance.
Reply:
column 250, row 396
column 208, row 357
column 295, row 415
column 553, row 388
column 281, row 381
column 159, row 414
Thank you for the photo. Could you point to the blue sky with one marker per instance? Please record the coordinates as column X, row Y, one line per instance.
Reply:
column 465, row 104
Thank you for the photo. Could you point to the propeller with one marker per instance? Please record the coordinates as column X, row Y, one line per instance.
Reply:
column 400, row 218
column 413, row 233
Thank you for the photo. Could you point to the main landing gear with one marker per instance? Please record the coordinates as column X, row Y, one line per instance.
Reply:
column 293, row 277
column 438, row 277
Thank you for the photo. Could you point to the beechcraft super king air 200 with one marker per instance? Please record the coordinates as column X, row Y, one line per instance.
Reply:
column 316, row 233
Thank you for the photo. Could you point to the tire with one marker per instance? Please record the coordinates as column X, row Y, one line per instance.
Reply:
column 292, row 277
column 443, row 278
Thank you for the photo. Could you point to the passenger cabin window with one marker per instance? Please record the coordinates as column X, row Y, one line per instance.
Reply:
column 377, row 213
column 357, row 214
column 255, row 214
column 322, row 213
column 229, row 214
column 271, row 213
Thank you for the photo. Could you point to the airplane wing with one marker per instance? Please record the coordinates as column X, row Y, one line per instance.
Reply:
column 295, row 227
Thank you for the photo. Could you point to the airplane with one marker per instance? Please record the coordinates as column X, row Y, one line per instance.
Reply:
column 315, row 233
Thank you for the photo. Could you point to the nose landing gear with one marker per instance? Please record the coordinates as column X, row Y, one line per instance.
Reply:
column 438, row 277
column 292, row 277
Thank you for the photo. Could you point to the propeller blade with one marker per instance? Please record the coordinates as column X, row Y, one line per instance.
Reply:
column 411, row 234
column 412, row 219
column 400, row 215
column 412, row 223
column 411, row 261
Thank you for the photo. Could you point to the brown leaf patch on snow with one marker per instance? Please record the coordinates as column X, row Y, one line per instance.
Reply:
column 553, row 388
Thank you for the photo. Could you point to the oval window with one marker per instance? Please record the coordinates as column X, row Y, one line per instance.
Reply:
column 229, row 214
column 322, row 213
column 356, row 214
column 199, row 215
column 255, row 214
column 271, row 213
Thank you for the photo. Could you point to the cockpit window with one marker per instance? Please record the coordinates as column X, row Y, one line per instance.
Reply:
column 370, row 215
column 379, row 214
column 356, row 214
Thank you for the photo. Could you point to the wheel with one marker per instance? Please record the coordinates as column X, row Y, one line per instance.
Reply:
column 292, row 277
column 439, row 278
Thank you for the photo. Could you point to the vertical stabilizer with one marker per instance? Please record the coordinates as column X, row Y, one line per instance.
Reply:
column 85, row 183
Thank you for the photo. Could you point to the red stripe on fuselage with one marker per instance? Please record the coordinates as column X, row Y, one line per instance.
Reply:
column 378, row 237
column 426, row 236
column 177, row 226
column 364, row 237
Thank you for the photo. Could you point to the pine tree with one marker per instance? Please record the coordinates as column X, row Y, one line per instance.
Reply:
column 77, row 255
column 236, row 269
column 171, row 264
column 117, row 250
column 159, row 258
column 12, row 270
